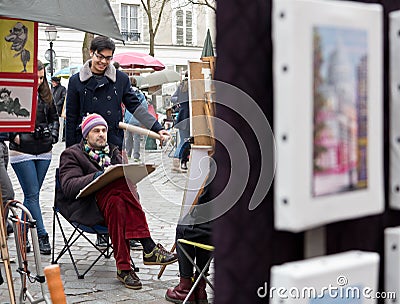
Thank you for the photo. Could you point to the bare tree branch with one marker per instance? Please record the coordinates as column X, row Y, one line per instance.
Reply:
column 159, row 16
column 148, row 6
column 205, row 3
column 144, row 6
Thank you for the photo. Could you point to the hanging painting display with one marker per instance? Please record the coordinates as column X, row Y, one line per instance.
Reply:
column 328, row 107
column 394, row 180
column 18, row 79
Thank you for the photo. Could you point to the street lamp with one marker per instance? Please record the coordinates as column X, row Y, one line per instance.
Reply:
column 51, row 35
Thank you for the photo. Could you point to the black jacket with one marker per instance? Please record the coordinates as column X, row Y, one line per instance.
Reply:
column 59, row 95
column 103, row 95
column 40, row 140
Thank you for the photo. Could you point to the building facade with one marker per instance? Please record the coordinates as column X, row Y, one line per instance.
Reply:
column 180, row 36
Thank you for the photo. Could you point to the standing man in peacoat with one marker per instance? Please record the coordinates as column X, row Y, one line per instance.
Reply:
column 100, row 88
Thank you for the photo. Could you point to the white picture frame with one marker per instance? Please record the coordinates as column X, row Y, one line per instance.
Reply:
column 349, row 277
column 308, row 194
column 394, row 137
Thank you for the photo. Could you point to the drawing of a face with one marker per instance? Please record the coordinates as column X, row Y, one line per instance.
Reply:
column 18, row 36
column 4, row 95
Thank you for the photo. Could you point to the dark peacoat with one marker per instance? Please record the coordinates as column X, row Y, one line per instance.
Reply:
column 88, row 93
column 76, row 171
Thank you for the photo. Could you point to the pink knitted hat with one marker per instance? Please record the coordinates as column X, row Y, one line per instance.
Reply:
column 91, row 121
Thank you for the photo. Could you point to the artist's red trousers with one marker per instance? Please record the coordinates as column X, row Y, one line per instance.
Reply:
column 124, row 218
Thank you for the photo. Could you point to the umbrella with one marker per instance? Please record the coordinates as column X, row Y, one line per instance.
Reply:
column 208, row 49
column 138, row 60
column 68, row 71
column 159, row 78
column 92, row 16
column 139, row 80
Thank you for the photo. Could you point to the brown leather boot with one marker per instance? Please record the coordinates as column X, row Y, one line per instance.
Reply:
column 200, row 293
column 178, row 293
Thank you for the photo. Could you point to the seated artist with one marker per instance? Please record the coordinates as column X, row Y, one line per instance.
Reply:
column 114, row 205
column 196, row 227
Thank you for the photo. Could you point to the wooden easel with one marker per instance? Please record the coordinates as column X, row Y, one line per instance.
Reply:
column 201, row 93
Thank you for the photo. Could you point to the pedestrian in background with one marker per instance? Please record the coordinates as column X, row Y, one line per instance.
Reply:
column 30, row 155
column 59, row 92
column 180, row 101
column 132, row 141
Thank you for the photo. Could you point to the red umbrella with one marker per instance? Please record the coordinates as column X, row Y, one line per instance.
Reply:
column 138, row 60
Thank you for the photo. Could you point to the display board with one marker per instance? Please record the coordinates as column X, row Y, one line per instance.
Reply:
column 394, row 180
column 18, row 78
column 133, row 174
column 328, row 107
column 392, row 262
column 349, row 278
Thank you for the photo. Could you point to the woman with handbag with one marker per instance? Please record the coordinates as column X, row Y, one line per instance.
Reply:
column 30, row 155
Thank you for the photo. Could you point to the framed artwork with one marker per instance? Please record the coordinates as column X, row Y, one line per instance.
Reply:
column 394, row 171
column 392, row 260
column 344, row 278
column 18, row 78
column 327, row 112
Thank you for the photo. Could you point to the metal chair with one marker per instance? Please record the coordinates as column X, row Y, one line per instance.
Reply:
column 79, row 231
column 202, row 272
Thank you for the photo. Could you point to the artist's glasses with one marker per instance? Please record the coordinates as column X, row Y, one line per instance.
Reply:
column 102, row 57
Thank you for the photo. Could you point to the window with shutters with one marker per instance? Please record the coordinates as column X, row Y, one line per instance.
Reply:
column 129, row 22
column 189, row 28
column 179, row 27
column 184, row 27
column 64, row 63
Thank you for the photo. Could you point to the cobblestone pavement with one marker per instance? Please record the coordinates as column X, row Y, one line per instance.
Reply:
column 161, row 196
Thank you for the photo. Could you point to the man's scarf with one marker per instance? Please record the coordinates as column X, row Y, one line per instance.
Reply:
column 100, row 156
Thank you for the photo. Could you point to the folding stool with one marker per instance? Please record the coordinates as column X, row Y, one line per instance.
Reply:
column 78, row 231
column 202, row 272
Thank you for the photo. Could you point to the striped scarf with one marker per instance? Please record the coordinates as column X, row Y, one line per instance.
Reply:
column 100, row 156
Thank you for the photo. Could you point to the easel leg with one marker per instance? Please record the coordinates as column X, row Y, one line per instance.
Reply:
column 162, row 269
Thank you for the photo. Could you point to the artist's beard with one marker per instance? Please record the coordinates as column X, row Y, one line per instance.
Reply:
column 98, row 144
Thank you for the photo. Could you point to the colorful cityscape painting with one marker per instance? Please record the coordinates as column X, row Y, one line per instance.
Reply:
column 340, row 120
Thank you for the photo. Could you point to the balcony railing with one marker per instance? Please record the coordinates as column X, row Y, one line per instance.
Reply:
column 131, row 36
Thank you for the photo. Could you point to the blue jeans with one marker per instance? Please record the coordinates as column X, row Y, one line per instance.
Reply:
column 183, row 134
column 31, row 174
column 132, row 141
